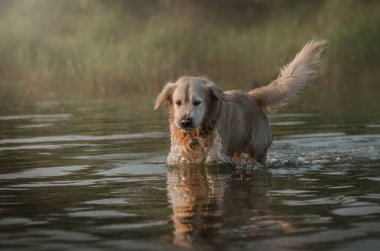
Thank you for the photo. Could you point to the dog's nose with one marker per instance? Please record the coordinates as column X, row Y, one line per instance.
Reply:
column 186, row 122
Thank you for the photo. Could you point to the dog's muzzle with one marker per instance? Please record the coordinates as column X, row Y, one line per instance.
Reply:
column 186, row 123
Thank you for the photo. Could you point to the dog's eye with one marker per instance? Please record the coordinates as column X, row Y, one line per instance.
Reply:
column 196, row 102
column 178, row 102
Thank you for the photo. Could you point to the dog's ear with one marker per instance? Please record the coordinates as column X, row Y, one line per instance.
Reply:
column 215, row 92
column 165, row 95
column 213, row 107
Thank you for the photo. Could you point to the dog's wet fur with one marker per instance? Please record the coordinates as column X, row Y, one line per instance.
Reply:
column 208, row 125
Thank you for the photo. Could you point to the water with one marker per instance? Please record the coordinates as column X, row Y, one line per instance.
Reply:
column 90, row 175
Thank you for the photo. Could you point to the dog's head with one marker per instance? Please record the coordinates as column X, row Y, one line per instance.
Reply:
column 190, row 100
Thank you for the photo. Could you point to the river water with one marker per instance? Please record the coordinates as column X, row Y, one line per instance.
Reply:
column 91, row 175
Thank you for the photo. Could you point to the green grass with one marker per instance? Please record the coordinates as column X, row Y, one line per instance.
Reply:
column 136, row 46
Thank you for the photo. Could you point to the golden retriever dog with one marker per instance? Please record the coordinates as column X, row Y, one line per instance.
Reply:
column 208, row 125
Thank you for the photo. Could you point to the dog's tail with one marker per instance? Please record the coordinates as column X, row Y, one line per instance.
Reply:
column 293, row 77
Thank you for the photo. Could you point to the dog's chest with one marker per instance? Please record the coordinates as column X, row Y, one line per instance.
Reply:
column 191, row 148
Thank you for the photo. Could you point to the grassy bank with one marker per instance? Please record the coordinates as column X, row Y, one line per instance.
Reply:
column 128, row 46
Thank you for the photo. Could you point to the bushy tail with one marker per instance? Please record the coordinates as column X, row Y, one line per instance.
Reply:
column 293, row 77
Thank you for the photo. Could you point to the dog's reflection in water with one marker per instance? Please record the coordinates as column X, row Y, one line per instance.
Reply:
column 213, row 203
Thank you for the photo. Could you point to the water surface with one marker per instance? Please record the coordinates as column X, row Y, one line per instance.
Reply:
column 91, row 175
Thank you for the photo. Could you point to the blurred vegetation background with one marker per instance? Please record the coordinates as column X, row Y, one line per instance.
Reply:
column 108, row 47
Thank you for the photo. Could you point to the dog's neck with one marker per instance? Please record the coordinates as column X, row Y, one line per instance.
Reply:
column 200, row 134
column 193, row 146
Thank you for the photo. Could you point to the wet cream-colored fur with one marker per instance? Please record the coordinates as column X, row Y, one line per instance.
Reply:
column 208, row 125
